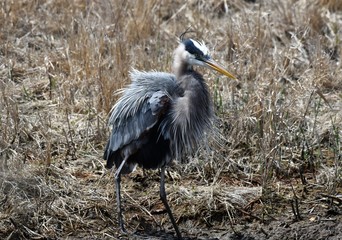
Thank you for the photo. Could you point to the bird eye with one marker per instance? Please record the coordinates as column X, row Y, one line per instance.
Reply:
column 198, row 56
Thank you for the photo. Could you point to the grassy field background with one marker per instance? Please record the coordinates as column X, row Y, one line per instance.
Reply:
column 276, row 173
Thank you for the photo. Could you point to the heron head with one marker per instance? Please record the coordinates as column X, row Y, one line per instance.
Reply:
column 196, row 53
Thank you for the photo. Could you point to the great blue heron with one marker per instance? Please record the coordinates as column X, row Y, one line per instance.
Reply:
column 161, row 117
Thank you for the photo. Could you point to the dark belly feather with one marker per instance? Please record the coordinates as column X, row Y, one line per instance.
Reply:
column 154, row 153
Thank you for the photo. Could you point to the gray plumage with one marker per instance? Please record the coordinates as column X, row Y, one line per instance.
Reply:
column 154, row 96
column 161, row 117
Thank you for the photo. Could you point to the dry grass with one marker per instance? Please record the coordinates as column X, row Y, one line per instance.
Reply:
column 61, row 61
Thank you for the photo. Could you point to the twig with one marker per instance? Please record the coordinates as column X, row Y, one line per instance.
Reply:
column 339, row 200
column 174, row 15
column 249, row 214
column 142, row 208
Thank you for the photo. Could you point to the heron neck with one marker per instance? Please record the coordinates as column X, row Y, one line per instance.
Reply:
column 181, row 69
column 180, row 66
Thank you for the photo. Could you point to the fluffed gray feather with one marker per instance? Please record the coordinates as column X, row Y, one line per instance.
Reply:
column 184, row 106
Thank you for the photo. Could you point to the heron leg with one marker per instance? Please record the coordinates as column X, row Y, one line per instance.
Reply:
column 164, row 200
column 118, row 195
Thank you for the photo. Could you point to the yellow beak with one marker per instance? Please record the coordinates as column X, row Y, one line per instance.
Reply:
column 214, row 65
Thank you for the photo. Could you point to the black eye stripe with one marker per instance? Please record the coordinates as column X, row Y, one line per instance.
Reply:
column 191, row 48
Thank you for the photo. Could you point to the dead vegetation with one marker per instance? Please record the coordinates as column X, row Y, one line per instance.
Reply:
column 60, row 63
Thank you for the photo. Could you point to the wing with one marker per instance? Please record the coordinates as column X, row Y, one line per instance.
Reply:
column 140, row 107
